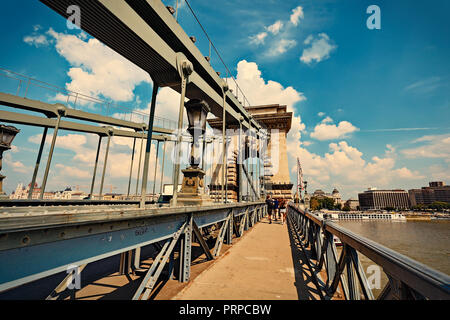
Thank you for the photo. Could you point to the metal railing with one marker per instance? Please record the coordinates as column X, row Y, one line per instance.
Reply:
column 127, row 230
column 407, row 278
column 24, row 85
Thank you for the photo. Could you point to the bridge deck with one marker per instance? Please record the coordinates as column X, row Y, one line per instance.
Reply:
column 264, row 265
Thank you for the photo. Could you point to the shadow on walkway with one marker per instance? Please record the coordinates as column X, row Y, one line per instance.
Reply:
column 306, row 289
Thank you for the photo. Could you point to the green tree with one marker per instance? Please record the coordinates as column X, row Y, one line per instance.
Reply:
column 314, row 204
column 346, row 207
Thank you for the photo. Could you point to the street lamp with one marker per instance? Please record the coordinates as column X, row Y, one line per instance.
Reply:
column 7, row 135
column 192, row 189
column 197, row 111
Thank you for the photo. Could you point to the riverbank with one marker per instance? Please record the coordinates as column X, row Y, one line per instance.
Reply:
column 411, row 217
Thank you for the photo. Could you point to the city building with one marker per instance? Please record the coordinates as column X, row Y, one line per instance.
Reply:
column 353, row 204
column 437, row 191
column 335, row 195
column 383, row 199
column 21, row 192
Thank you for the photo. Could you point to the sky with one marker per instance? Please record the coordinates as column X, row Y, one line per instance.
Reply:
column 370, row 106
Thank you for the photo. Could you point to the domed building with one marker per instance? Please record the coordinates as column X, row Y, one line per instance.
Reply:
column 336, row 196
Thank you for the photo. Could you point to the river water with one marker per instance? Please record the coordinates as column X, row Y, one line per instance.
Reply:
column 427, row 242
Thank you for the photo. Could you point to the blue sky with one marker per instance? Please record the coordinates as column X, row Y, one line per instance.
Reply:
column 371, row 107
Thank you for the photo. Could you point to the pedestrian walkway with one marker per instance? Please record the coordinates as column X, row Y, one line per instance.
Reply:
column 265, row 264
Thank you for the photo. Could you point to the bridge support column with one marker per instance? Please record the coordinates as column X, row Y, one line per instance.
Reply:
column 185, row 69
column 162, row 165
column 131, row 167
column 240, row 158
column 224, row 141
column 95, row 167
column 38, row 161
column 61, row 112
column 156, row 167
column 105, row 163
column 140, row 162
column 148, row 146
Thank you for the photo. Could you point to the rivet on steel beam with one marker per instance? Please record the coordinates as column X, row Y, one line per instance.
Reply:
column 208, row 58
column 193, row 39
column 218, row 73
column 171, row 9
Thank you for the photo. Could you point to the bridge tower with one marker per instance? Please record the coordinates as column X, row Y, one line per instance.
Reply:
column 275, row 174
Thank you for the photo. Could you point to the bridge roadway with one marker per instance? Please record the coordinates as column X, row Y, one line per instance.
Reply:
column 262, row 260
column 264, row 265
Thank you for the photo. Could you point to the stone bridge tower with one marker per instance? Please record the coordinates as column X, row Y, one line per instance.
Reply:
column 277, row 121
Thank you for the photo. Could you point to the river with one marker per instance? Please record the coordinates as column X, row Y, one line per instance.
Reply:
column 427, row 242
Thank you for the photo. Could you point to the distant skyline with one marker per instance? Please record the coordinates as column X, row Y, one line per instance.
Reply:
column 371, row 107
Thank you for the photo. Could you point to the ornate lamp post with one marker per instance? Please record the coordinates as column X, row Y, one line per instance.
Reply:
column 192, row 189
column 7, row 135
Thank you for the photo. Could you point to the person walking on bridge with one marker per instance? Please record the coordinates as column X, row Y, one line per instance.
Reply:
column 269, row 203
column 283, row 211
column 275, row 208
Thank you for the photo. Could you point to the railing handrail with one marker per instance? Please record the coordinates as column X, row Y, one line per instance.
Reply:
column 425, row 280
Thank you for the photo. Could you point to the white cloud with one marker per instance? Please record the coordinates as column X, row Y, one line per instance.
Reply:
column 344, row 167
column 435, row 146
column 261, row 92
column 96, row 69
column 259, row 38
column 425, row 85
column 70, row 171
column 327, row 119
column 280, row 47
column 321, row 114
column 36, row 40
column 325, row 131
column 296, row 15
column 276, row 27
column 16, row 166
column 319, row 50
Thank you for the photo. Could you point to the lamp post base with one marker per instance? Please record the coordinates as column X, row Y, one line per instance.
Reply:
column 3, row 195
column 192, row 190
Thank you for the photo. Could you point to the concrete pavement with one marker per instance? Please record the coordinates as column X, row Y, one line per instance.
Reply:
column 264, row 265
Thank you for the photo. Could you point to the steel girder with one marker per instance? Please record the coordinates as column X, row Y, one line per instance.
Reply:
column 148, row 43
column 49, row 243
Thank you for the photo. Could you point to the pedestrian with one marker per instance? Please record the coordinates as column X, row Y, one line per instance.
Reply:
column 283, row 211
column 269, row 203
column 275, row 208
